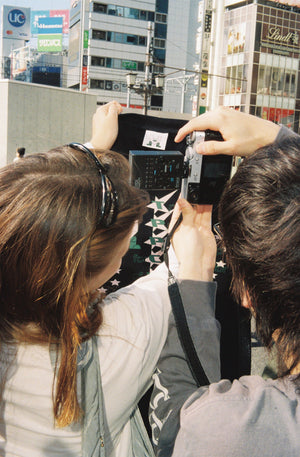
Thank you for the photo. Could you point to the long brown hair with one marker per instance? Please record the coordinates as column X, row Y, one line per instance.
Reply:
column 50, row 245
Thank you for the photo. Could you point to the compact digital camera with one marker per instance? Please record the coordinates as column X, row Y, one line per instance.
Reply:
column 200, row 178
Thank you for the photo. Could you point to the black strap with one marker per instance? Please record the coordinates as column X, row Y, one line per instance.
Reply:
column 181, row 321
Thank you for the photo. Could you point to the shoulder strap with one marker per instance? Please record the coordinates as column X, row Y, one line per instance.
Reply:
column 93, row 444
column 93, row 426
column 185, row 336
column 183, row 331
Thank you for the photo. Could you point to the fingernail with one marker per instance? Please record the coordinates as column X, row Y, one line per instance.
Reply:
column 181, row 202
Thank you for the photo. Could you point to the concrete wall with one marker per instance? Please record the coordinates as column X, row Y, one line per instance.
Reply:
column 41, row 117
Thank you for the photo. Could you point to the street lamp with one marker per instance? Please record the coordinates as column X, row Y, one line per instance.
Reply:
column 143, row 87
column 159, row 81
column 130, row 80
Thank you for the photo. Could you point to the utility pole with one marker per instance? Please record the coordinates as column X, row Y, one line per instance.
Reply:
column 214, row 64
column 204, row 56
column 147, row 65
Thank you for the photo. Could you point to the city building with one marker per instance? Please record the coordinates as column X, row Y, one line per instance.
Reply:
column 108, row 41
column 260, row 60
column 34, row 45
column 28, row 65
column 14, row 33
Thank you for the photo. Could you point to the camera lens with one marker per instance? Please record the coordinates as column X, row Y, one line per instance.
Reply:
column 193, row 197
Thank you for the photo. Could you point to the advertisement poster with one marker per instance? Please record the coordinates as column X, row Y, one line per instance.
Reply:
column 50, row 34
column 37, row 14
column 236, row 38
column 16, row 22
column 49, row 43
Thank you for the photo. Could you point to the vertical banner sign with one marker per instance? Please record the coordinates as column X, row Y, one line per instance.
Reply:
column 206, row 40
column 85, row 39
column 84, row 79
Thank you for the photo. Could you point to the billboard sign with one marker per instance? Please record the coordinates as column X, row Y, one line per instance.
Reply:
column 37, row 14
column 129, row 65
column 16, row 22
column 50, row 43
column 75, row 10
column 236, row 38
column 52, row 25
column 65, row 15
column 19, row 60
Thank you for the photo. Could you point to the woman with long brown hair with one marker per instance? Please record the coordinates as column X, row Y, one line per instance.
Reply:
column 74, row 366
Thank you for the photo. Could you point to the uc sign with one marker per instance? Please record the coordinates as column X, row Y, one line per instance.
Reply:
column 16, row 18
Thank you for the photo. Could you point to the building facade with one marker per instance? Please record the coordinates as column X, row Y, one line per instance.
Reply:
column 34, row 45
column 107, row 41
column 260, row 60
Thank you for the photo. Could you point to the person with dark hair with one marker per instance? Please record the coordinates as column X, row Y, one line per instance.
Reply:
column 74, row 364
column 259, row 223
column 20, row 153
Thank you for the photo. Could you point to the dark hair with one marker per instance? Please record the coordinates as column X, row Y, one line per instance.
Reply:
column 259, row 214
column 21, row 152
column 50, row 245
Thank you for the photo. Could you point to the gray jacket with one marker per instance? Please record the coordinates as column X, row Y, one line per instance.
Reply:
column 250, row 417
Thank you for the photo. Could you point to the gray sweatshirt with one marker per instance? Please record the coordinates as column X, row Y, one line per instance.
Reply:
column 250, row 417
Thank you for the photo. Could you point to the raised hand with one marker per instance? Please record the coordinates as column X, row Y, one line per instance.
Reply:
column 105, row 126
column 194, row 243
column 242, row 133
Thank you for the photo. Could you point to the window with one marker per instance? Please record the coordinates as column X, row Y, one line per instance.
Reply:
column 119, row 37
column 98, row 34
column 116, row 37
column 162, row 6
column 160, row 17
column 108, row 62
column 143, row 15
column 112, row 10
column 156, row 69
column 293, row 84
column 120, row 11
column 117, row 63
column 131, row 13
column 98, row 61
column 142, row 41
column 131, row 39
column 160, row 55
column 97, row 84
column 156, row 100
column 99, row 8
column 159, row 43
column 276, row 81
column 234, row 77
column 160, row 30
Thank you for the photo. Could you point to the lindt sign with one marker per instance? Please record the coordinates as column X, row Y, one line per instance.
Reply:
column 287, row 38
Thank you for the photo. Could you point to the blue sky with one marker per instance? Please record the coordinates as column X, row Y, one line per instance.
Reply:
column 38, row 4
